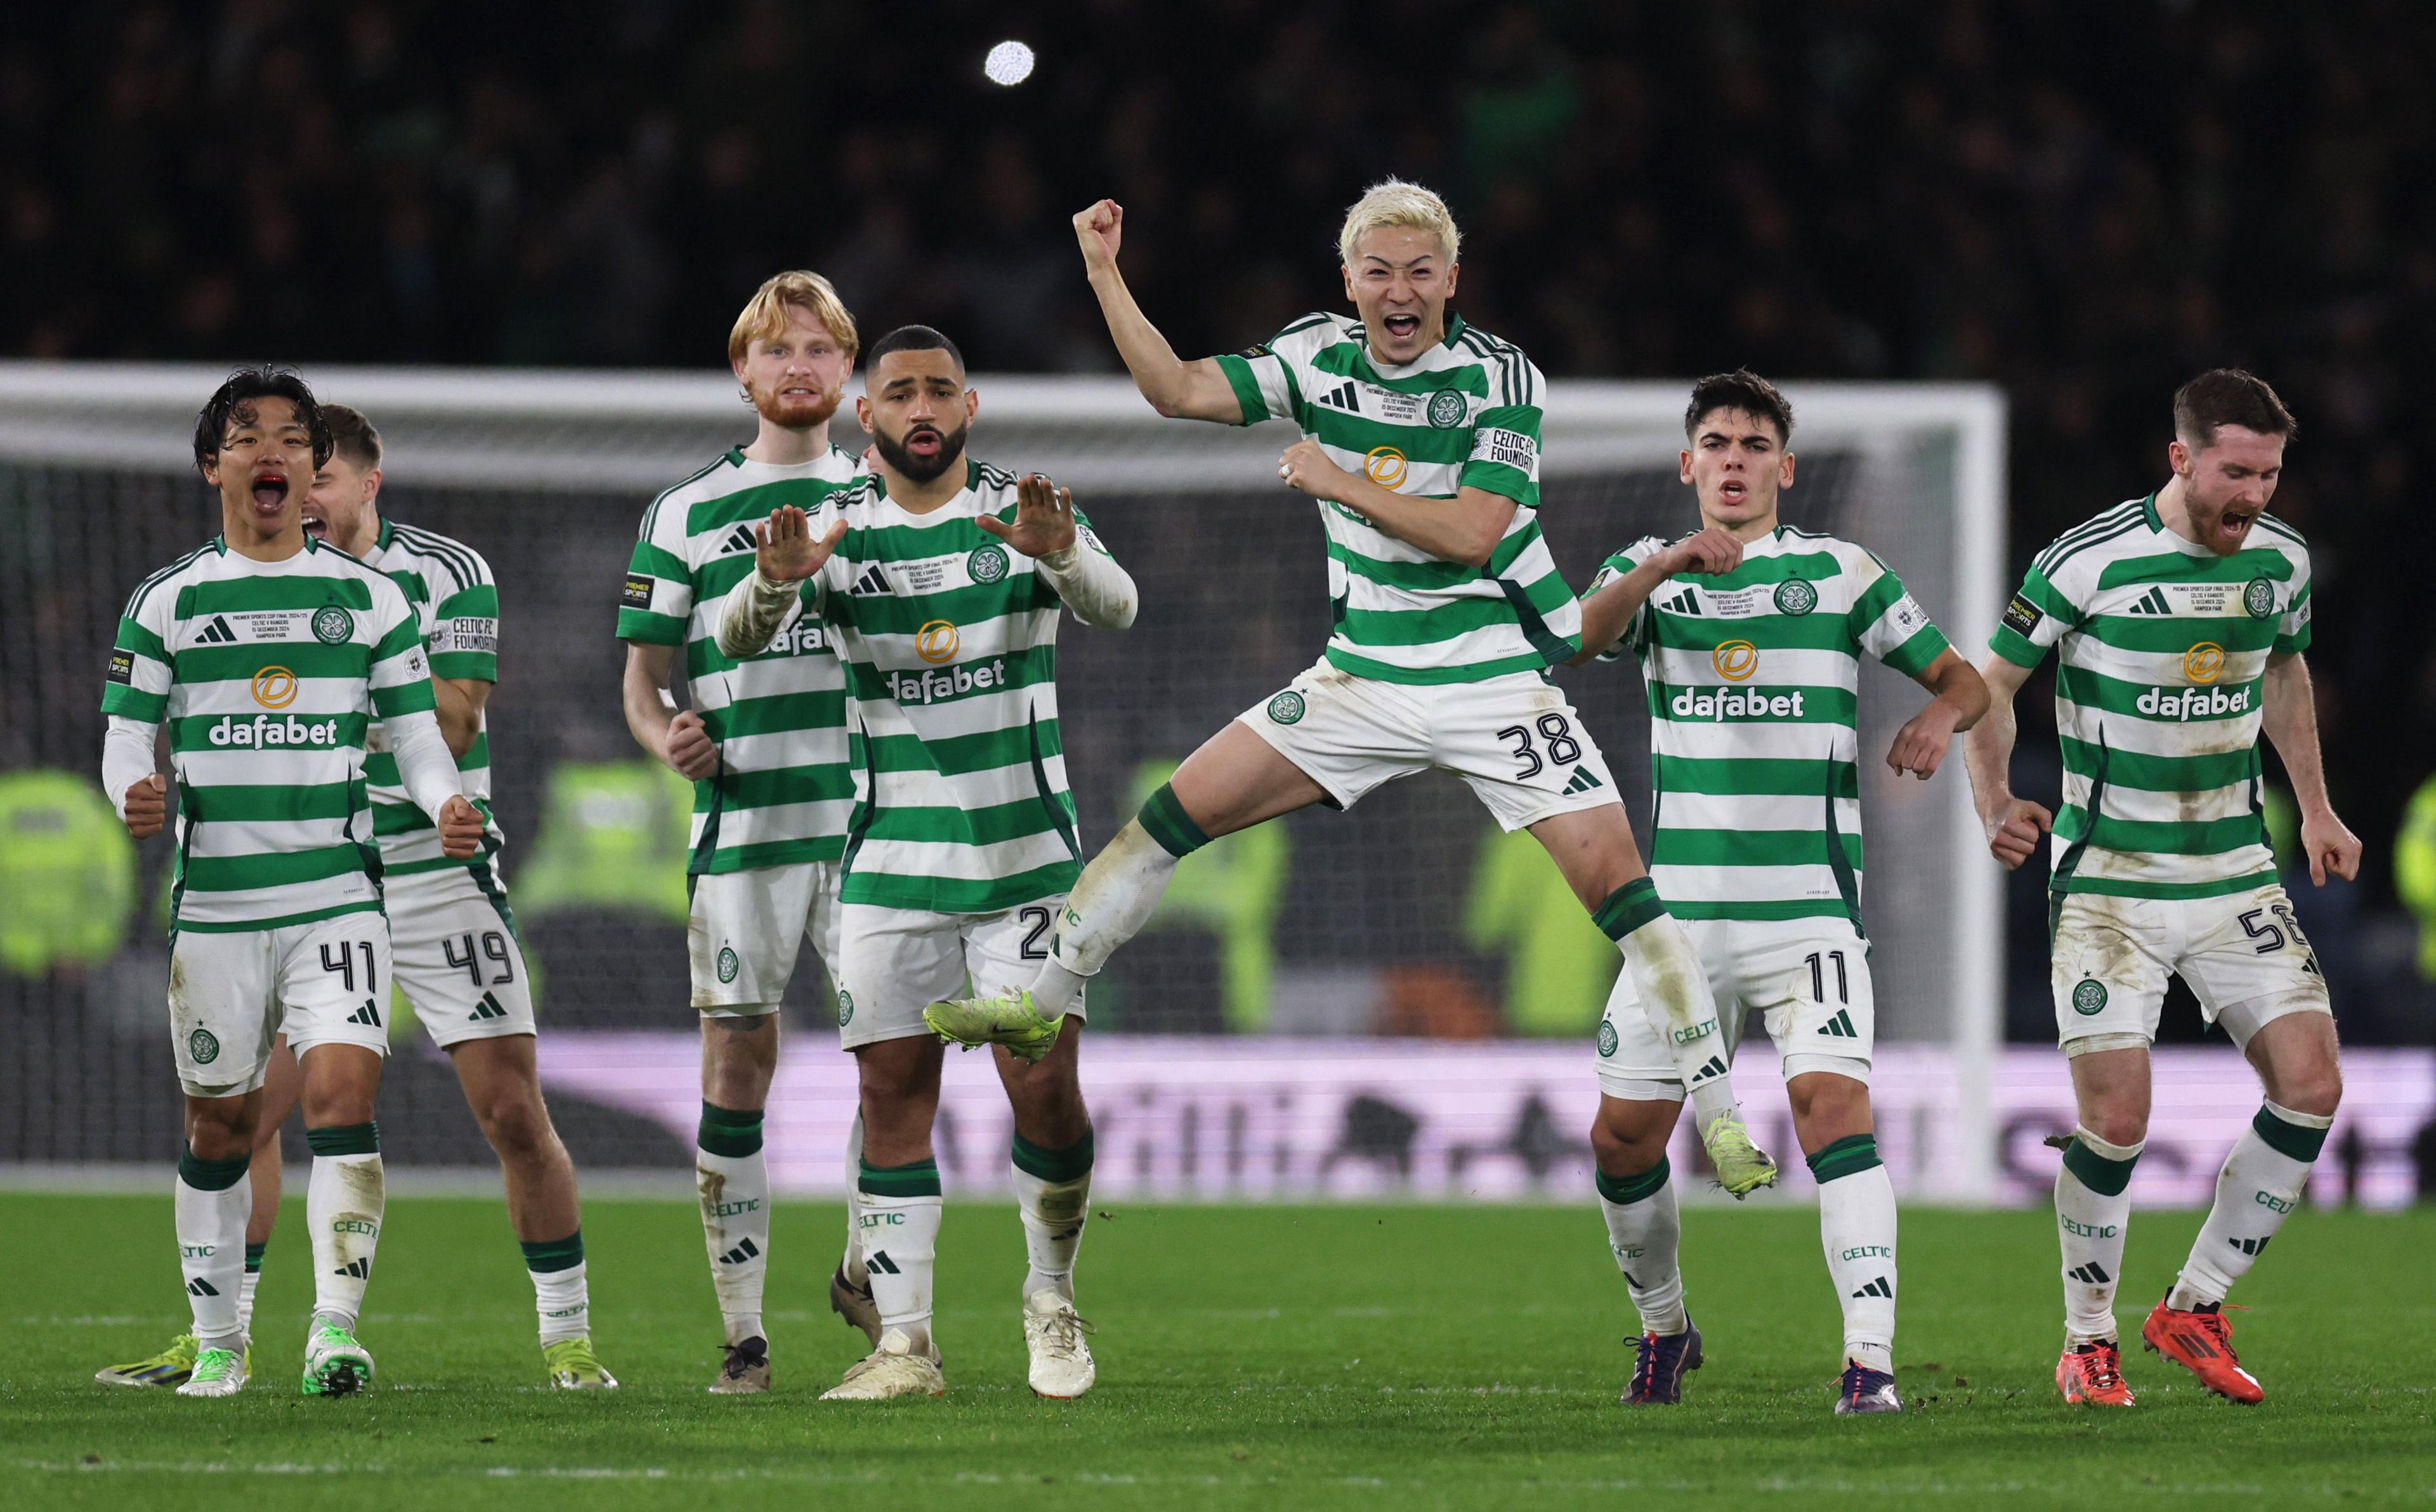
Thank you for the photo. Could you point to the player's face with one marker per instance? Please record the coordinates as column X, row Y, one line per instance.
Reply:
column 264, row 466
column 2227, row 485
column 339, row 507
column 1399, row 281
column 797, row 378
column 1737, row 464
column 917, row 409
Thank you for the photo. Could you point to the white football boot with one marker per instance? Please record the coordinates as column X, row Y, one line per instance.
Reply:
column 891, row 1370
column 1062, row 1366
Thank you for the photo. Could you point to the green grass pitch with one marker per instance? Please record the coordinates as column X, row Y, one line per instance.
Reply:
column 1264, row 1357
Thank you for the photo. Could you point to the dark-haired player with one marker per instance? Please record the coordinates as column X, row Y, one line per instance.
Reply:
column 1751, row 636
column 942, row 581
column 1420, row 445
column 2178, row 621
column 268, row 656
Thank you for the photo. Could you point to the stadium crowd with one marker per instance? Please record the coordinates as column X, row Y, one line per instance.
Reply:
column 1850, row 189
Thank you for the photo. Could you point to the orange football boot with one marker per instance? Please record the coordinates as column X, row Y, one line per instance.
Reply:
column 2200, row 1341
column 2091, row 1375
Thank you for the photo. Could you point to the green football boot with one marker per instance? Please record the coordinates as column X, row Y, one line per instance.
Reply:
column 1741, row 1168
column 1007, row 1019
column 573, row 1366
column 335, row 1363
column 170, row 1367
column 217, row 1373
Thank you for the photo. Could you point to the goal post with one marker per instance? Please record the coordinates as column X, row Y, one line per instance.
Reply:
column 1383, row 921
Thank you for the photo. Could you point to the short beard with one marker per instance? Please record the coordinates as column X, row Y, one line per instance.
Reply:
column 771, row 409
column 951, row 446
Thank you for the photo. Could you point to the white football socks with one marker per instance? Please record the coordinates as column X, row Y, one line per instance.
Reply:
column 732, row 1176
column 1856, row 1227
column 343, row 1203
column 1645, row 1231
column 561, row 1300
column 1115, row 897
column 901, row 1209
column 2093, row 1209
column 1053, row 1190
column 852, row 1263
column 212, row 1202
column 1673, row 991
column 2258, row 1188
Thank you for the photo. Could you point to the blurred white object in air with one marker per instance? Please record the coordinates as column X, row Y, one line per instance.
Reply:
column 1008, row 63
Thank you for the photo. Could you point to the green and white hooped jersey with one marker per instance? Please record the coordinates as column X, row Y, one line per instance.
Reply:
column 783, row 790
column 456, row 604
column 1754, row 679
column 2162, row 649
column 1465, row 413
column 949, row 638
column 267, row 675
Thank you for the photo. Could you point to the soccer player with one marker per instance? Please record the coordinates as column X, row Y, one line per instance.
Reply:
column 765, row 744
column 1421, row 447
column 2179, row 622
column 941, row 579
column 451, row 932
column 1751, row 637
column 267, row 656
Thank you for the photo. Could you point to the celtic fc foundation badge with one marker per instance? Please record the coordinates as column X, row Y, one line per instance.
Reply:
column 986, row 564
column 204, row 1046
column 1286, row 707
column 2259, row 598
column 1447, row 410
column 1607, row 1037
column 332, row 625
column 727, row 964
column 1795, row 596
column 2089, row 998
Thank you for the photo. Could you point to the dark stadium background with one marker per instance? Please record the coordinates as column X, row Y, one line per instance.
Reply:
column 1859, row 190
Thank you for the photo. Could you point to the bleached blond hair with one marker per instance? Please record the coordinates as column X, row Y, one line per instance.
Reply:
column 1393, row 203
column 765, row 313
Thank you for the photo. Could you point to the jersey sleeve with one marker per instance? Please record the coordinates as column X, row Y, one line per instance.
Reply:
column 2292, row 630
column 401, row 673
column 136, row 684
column 2035, row 619
column 1505, row 457
column 658, row 596
column 1263, row 375
column 1889, row 623
column 1636, row 633
column 465, row 634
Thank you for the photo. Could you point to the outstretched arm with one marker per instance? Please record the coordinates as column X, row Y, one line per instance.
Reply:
column 785, row 556
column 2014, row 825
column 1608, row 613
column 1177, row 389
column 2289, row 713
column 1099, row 592
column 1959, row 699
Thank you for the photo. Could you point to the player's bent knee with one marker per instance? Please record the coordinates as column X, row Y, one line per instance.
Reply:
column 1628, row 1138
column 1828, row 1108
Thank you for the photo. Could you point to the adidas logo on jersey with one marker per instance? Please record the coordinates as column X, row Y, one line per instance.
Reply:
column 1880, row 1287
column 218, row 633
column 741, row 540
column 1686, row 602
column 1347, row 398
column 2193, row 702
column 2152, row 602
column 265, row 730
column 872, row 581
column 1840, row 1027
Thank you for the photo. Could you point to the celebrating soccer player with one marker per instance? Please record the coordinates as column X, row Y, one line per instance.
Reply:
column 269, row 655
column 2179, row 622
column 765, row 745
column 941, row 580
column 451, row 934
column 1421, row 447
column 1751, row 637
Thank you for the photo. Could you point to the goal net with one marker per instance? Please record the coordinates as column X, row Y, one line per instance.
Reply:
column 1437, row 971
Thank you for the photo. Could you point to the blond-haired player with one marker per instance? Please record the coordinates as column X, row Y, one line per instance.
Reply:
column 1420, row 443
column 765, row 744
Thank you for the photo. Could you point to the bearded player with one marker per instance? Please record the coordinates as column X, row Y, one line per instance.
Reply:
column 1421, row 447
column 765, row 745
column 943, row 580
column 2179, row 622
column 458, row 957
column 1751, row 637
